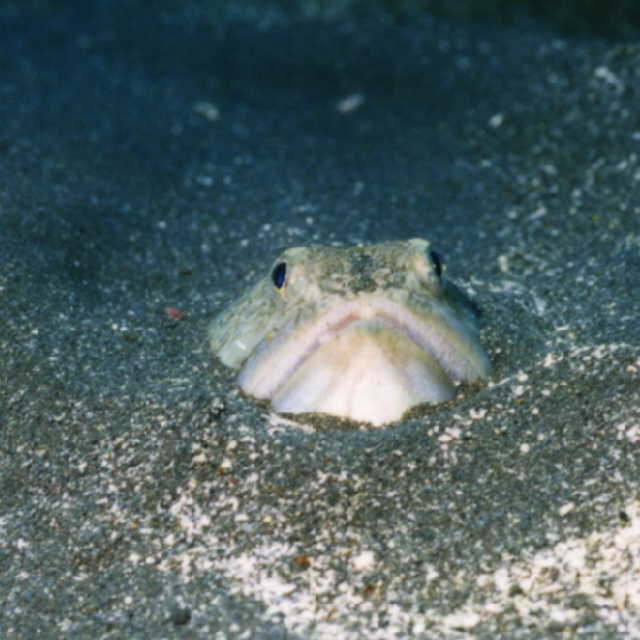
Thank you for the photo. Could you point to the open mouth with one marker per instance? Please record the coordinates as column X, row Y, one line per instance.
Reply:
column 367, row 359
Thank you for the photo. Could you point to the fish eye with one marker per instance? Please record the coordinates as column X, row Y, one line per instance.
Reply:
column 436, row 260
column 278, row 274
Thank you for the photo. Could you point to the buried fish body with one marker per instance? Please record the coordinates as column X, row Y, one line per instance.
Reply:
column 363, row 333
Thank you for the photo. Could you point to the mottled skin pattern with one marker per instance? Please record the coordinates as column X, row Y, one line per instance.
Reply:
column 378, row 326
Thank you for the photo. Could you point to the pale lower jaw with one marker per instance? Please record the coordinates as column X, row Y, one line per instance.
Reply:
column 366, row 372
column 437, row 331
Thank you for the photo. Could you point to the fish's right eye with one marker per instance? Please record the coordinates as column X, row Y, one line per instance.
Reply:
column 279, row 274
column 436, row 261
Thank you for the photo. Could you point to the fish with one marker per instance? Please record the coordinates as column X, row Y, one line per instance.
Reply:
column 362, row 333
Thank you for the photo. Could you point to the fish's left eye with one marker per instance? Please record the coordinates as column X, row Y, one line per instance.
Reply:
column 436, row 260
column 278, row 274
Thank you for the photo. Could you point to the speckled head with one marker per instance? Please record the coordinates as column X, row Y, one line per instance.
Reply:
column 363, row 333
